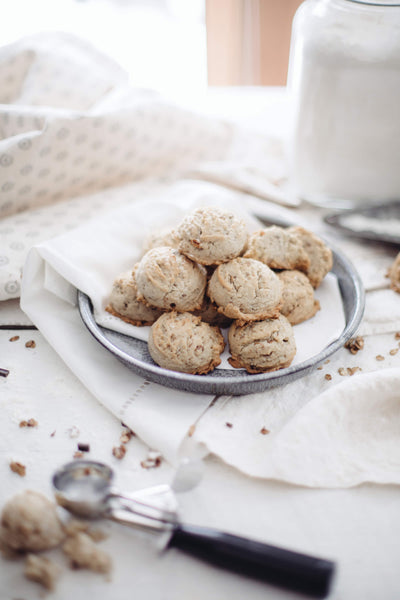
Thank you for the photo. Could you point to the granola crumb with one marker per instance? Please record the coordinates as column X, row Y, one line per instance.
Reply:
column 53, row 434
column 328, row 360
column 30, row 344
column 380, row 357
column 41, row 570
column 393, row 351
column 29, row 423
column 125, row 436
column 19, row 468
column 355, row 344
column 191, row 430
column 264, row 431
column 83, row 447
column 229, row 424
column 328, row 377
column 397, row 335
column 119, row 452
column 14, row 338
column 342, row 371
column 352, row 370
column 319, row 368
column 153, row 460
column 78, row 454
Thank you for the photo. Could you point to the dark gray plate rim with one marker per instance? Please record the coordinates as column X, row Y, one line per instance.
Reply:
column 224, row 381
column 376, row 211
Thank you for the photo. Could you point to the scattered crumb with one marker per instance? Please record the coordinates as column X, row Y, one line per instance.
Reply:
column 380, row 357
column 154, row 459
column 73, row 432
column 30, row 344
column 78, row 454
column 348, row 371
column 53, row 434
column 355, row 344
column 264, row 431
column 42, row 570
column 29, row 423
column 126, row 435
column 4, row 372
column 328, row 360
column 229, row 425
column 397, row 335
column 84, row 554
column 19, row 468
column 14, row 338
column 191, row 430
column 84, row 447
column 393, row 351
column 328, row 377
column 319, row 368
column 119, row 451
column 342, row 371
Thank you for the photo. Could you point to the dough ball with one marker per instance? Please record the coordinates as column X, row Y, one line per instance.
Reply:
column 29, row 522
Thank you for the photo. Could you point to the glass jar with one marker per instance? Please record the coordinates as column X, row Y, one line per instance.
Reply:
column 344, row 77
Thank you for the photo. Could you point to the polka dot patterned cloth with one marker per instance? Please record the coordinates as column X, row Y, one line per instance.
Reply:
column 71, row 126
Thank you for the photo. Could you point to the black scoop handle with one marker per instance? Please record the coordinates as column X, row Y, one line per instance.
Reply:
column 284, row 568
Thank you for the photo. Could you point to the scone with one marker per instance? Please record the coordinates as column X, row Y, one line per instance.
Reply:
column 299, row 303
column 182, row 342
column 320, row 256
column 29, row 522
column 211, row 236
column 394, row 274
column 160, row 237
column 168, row 280
column 246, row 290
column 278, row 248
column 124, row 304
column 262, row 346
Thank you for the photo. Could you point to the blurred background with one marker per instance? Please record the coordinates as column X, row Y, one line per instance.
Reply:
column 172, row 45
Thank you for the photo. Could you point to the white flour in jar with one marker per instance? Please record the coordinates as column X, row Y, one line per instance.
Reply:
column 346, row 82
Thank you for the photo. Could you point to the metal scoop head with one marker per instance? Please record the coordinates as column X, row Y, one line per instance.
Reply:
column 84, row 488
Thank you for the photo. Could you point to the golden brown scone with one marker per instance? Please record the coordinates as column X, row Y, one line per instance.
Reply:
column 160, row 237
column 183, row 342
column 394, row 274
column 211, row 236
column 320, row 256
column 125, row 305
column 29, row 522
column 278, row 248
column 168, row 280
column 299, row 303
column 246, row 290
column 262, row 346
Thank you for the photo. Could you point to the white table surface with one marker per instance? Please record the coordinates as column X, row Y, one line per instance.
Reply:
column 358, row 527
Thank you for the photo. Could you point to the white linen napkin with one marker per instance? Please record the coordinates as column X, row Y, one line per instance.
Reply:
column 72, row 125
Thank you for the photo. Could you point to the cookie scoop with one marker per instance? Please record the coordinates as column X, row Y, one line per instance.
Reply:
column 212, row 236
column 168, row 280
column 183, row 342
column 246, row 290
column 262, row 346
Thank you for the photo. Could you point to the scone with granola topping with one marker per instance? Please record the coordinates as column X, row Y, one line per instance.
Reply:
column 299, row 303
column 183, row 342
column 320, row 256
column 168, row 280
column 124, row 304
column 246, row 290
column 211, row 236
column 262, row 346
column 278, row 248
